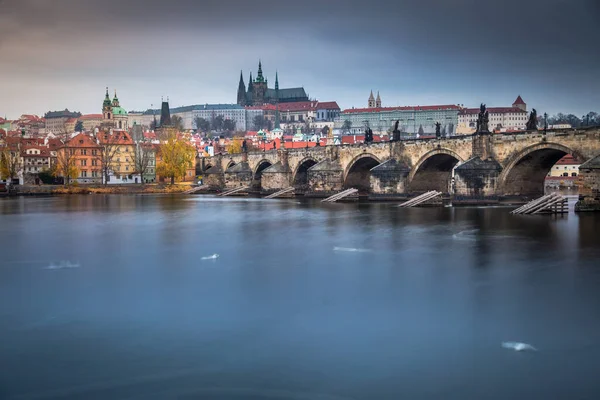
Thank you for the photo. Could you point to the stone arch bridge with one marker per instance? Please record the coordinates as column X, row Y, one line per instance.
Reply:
column 479, row 165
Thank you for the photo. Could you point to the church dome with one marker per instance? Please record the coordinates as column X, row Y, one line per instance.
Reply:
column 118, row 111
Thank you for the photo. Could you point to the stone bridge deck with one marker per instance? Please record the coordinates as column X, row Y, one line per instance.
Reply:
column 477, row 165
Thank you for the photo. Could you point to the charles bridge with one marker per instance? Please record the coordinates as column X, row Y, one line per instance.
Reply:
column 481, row 165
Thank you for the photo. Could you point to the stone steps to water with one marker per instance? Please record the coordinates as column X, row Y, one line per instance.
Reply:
column 421, row 199
column 550, row 203
column 340, row 195
column 280, row 193
column 233, row 191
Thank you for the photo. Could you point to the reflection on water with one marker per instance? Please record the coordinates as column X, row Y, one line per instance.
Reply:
column 219, row 298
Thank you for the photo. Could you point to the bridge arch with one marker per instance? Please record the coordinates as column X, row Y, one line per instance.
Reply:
column 207, row 167
column 433, row 171
column 230, row 164
column 524, row 173
column 358, row 172
column 257, row 174
column 300, row 177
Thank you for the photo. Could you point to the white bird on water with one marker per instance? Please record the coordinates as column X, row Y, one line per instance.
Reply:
column 518, row 346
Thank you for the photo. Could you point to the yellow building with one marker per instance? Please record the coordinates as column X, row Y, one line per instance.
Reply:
column 119, row 154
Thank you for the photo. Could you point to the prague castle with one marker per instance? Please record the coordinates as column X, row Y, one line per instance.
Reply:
column 258, row 92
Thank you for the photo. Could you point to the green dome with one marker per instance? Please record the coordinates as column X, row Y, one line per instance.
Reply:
column 119, row 111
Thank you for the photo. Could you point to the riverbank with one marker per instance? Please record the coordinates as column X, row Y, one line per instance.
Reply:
column 155, row 188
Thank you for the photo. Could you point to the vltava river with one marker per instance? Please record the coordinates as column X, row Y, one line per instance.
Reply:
column 109, row 297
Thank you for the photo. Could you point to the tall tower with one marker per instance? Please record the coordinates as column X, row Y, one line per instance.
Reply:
column 371, row 100
column 115, row 102
column 259, row 87
column 241, row 94
column 250, row 96
column 378, row 101
column 277, row 122
column 107, row 107
column 520, row 104
column 165, row 114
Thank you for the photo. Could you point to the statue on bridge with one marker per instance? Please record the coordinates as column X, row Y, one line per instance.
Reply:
column 532, row 123
column 396, row 132
column 482, row 120
column 368, row 136
column 438, row 133
column 244, row 146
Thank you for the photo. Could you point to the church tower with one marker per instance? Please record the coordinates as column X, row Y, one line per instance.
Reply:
column 250, row 96
column 371, row 100
column 378, row 101
column 241, row 95
column 107, row 107
column 259, row 87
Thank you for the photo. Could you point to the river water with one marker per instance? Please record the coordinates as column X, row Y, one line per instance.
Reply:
column 109, row 297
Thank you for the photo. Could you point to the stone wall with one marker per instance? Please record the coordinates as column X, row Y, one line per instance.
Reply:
column 476, row 178
column 589, row 186
column 389, row 178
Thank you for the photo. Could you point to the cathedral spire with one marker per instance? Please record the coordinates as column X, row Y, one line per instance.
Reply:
column 276, row 81
column 241, row 95
column 260, row 77
column 378, row 101
column 250, row 83
column 371, row 100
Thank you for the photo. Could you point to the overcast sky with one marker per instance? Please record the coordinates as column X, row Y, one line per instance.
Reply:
column 57, row 54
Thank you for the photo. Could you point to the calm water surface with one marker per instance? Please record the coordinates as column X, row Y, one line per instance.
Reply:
column 108, row 297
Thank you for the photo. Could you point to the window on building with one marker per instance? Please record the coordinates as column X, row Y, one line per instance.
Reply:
column 83, row 174
column 84, row 163
column 83, row 152
column 573, row 173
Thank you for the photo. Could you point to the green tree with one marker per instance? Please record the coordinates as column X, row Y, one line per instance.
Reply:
column 346, row 127
column 79, row 126
column 177, row 122
column 217, row 123
column 202, row 125
column 10, row 162
column 229, row 125
column 259, row 122
column 177, row 156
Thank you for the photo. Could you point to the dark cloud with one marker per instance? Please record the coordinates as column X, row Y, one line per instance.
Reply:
column 460, row 51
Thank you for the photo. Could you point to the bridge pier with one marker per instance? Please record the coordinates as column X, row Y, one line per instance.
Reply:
column 324, row 178
column 476, row 178
column 275, row 178
column 238, row 175
column 389, row 179
column 589, row 186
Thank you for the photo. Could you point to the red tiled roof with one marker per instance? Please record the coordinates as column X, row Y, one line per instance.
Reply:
column 519, row 101
column 492, row 110
column 561, row 178
column 117, row 137
column 44, row 152
column 328, row 105
column 298, row 106
column 82, row 140
column 54, row 143
column 568, row 160
column 403, row 108
column 91, row 116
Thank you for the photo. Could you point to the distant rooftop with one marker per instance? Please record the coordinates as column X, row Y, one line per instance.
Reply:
column 196, row 107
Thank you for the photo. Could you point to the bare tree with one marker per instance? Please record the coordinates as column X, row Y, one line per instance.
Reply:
column 108, row 156
column 65, row 157
column 144, row 155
